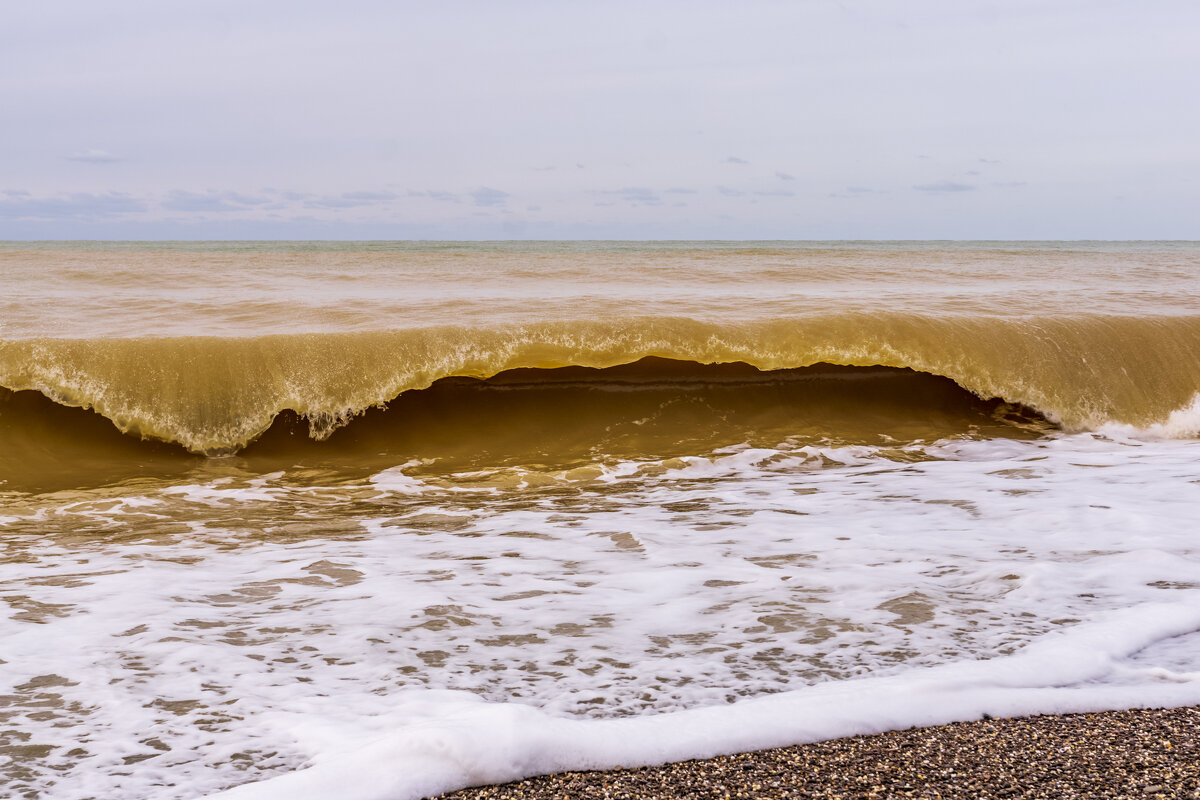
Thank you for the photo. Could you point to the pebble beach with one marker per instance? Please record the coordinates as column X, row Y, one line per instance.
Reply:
column 1143, row 753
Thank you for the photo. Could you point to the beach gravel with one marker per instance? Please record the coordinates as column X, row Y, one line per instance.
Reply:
column 1121, row 754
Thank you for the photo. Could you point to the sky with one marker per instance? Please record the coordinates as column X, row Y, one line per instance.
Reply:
column 948, row 119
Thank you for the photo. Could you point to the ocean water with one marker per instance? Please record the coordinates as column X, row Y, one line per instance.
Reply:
column 379, row 520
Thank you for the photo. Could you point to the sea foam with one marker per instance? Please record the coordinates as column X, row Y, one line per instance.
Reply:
column 407, row 631
column 440, row 742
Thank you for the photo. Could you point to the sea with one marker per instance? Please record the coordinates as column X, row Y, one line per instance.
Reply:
column 378, row 520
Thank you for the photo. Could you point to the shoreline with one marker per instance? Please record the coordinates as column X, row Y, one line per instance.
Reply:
column 1143, row 753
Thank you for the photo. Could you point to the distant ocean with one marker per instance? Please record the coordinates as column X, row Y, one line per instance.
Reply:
column 379, row 520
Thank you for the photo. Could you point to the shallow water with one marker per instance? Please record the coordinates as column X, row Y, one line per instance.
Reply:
column 669, row 559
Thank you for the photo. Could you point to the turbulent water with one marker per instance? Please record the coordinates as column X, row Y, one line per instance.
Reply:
column 383, row 519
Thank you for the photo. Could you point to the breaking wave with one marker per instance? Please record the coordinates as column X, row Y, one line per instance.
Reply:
column 215, row 395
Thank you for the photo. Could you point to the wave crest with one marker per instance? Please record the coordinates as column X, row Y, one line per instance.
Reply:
column 216, row 395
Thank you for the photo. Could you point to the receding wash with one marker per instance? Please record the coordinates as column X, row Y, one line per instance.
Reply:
column 380, row 520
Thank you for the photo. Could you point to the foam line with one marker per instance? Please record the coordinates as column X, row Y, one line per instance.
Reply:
column 466, row 742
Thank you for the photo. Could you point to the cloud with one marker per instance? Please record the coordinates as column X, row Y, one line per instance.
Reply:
column 485, row 196
column 213, row 202
column 780, row 193
column 856, row 191
column 1009, row 184
column 94, row 157
column 725, row 190
column 783, row 176
column 989, row 161
column 352, row 200
column 735, row 160
column 434, row 194
column 191, row 201
column 679, row 190
column 247, row 200
column 73, row 206
column 636, row 195
column 944, row 186
column 369, row 197
column 972, row 172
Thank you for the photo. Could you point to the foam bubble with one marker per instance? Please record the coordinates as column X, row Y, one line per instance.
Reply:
column 395, row 480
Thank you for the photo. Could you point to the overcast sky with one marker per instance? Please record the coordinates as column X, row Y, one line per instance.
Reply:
column 395, row 120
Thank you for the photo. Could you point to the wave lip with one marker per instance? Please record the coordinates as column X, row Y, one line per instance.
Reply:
column 215, row 395
column 557, row 419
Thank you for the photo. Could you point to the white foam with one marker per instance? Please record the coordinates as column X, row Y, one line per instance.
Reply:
column 243, row 626
column 445, row 743
column 226, row 490
column 395, row 480
column 1182, row 423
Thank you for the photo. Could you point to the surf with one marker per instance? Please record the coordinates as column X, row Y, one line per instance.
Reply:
column 286, row 505
column 556, row 418
column 216, row 395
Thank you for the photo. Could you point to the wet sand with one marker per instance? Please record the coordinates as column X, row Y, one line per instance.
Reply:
column 1122, row 754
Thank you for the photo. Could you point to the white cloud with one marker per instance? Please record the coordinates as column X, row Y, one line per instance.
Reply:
column 78, row 206
column 351, row 200
column 94, row 157
column 485, row 196
column 211, row 201
column 636, row 195
column 944, row 186
column 433, row 194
